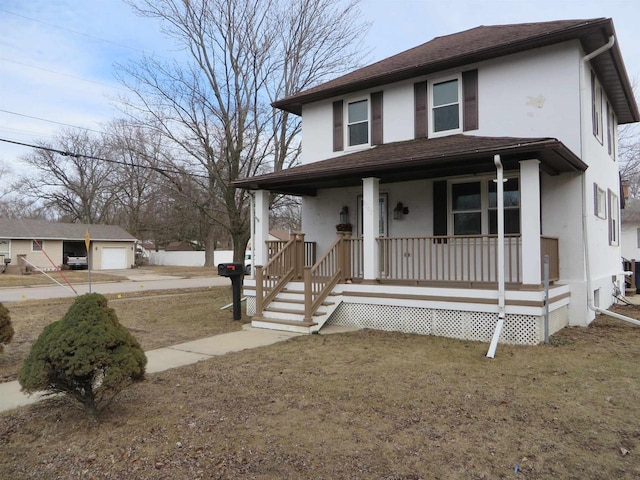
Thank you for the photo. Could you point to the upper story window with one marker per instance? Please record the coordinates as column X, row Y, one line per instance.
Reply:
column 596, row 107
column 358, row 122
column 611, row 131
column 446, row 107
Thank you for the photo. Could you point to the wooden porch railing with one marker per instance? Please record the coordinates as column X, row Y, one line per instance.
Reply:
column 320, row 279
column 274, row 246
column 283, row 267
column 449, row 258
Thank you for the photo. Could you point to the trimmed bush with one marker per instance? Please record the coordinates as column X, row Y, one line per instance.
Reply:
column 6, row 330
column 87, row 355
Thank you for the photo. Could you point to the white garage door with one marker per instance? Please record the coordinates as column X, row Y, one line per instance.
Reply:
column 114, row 258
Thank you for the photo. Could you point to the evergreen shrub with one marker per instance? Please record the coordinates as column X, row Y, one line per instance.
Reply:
column 87, row 355
column 6, row 330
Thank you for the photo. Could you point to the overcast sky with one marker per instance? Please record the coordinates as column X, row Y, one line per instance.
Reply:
column 57, row 56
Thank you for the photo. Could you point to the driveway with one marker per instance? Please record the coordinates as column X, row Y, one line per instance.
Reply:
column 136, row 282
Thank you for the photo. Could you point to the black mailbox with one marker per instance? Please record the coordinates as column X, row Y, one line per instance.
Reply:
column 231, row 269
column 235, row 271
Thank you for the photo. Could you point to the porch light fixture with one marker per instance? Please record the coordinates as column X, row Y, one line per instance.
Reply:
column 399, row 211
column 344, row 215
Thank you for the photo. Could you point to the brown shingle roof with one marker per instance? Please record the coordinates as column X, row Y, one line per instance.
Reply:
column 41, row 229
column 416, row 159
column 483, row 43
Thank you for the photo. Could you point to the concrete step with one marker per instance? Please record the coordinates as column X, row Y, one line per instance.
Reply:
column 283, row 324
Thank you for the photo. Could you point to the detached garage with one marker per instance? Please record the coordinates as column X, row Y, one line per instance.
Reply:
column 50, row 245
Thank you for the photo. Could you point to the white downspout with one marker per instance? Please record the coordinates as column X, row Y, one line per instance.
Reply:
column 501, row 300
column 585, row 233
column 252, row 223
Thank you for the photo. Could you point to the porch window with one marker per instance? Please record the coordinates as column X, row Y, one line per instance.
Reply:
column 36, row 245
column 511, row 200
column 474, row 207
column 466, row 207
column 446, row 105
column 358, row 122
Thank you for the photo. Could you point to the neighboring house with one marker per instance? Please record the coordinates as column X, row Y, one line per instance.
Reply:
column 630, row 236
column 404, row 157
column 48, row 244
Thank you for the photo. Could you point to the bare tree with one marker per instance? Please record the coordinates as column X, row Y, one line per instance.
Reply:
column 215, row 108
column 73, row 186
column 629, row 152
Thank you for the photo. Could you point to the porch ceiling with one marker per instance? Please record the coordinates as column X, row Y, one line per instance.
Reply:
column 418, row 159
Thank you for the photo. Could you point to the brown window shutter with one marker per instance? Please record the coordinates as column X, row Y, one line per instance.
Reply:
column 376, row 119
column 470, row 93
column 440, row 207
column 421, row 113
column 338, row 131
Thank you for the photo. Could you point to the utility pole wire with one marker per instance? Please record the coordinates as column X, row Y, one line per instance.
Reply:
column 64, row 153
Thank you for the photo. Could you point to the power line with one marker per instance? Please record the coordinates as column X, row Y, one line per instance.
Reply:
column 73, row 31
column 65, row 153
column 93, row 37
column 51, row 121
column 62, row 74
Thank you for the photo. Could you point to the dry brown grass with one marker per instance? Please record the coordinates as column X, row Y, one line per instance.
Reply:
column 73, row 276
column 365, row 405
column 156, row 318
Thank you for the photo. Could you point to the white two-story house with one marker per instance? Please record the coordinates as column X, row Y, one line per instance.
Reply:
column 451, row 171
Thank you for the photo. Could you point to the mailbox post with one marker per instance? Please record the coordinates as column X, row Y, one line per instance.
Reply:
column 235, row 271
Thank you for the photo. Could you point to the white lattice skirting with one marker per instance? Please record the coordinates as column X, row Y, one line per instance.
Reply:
column 465, row 325
column 251, row 306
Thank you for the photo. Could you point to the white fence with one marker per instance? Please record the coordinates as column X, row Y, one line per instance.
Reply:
column 188, row 259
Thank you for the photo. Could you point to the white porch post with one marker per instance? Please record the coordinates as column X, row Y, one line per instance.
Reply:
column 370, row 226
column 530, row 221
column 259, row 243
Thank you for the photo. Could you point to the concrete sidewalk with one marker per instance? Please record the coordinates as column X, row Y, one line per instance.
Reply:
column 176, row 356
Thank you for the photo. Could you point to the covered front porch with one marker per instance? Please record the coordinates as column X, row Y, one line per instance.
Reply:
column 420, row 263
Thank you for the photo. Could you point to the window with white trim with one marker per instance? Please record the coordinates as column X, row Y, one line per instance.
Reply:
column 596, row 107
column 5, row 248
column 37, row 245
column 614, row 224
column 638, row 237
column 446, row 106
column 511, row 201
column 600, row 202
column 357, row 123
column 611, row 132
column 474, row 207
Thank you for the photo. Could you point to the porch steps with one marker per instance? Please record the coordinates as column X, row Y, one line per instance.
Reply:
column 286, row 312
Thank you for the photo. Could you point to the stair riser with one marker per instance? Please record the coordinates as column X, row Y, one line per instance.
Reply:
column 285, row 328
